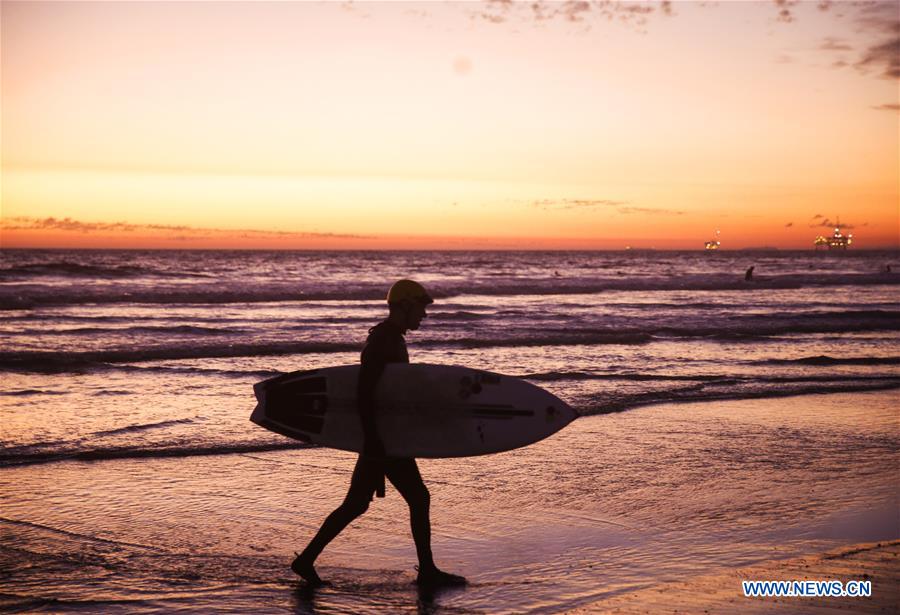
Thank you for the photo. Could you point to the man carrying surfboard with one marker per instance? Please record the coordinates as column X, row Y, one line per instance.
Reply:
column 407, row 302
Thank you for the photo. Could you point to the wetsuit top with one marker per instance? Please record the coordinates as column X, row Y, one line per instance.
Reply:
column 384, row 345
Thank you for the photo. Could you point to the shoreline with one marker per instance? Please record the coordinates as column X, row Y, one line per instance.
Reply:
column 811, row 391
column 112, row 453
column 720, row 592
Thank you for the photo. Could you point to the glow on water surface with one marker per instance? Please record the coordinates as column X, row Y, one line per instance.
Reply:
column 131, row 479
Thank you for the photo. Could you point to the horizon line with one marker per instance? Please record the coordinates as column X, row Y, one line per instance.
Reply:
column 648, row 249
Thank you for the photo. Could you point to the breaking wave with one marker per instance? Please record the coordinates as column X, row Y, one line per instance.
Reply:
column 136, row 452
column 826, row 360
column 28, row 296
column 72, row 269
column 748, row 390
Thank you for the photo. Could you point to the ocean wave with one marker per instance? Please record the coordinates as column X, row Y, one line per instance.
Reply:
column 75, row 453
column 96, row 360
column 30, row 392
column 262, row 374
column 739, row 329
column 173, row 330
column 745, row 327
column 72, row 269
column 70, row 316
column 59, row 362
column 806, row 314
column 40, row 448
column 826, row 360
column 94, row 367
column 750, row 390
column 718, row 380
column 77, row 535
column 459, row 315
column 775, row 324
column 575, row 337
column 15, row 603
column 557, row 376
column 142, row 427
column 163, row 341
column 27, row 296
column 739, row 303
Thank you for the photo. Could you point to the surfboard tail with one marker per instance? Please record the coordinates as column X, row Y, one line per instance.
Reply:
column 259, row 389
column 258, row 415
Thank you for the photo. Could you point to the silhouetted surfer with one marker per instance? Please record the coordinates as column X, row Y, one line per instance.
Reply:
column 748, row 276
column 407, row 301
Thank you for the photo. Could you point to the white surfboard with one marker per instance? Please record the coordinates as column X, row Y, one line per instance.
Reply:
column 422, row 410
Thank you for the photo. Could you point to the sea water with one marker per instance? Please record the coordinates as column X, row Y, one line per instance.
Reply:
column 724, row 420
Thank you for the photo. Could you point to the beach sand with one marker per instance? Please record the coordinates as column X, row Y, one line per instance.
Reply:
column 721, row 592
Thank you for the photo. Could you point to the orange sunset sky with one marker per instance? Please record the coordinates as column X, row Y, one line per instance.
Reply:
column 449, row 124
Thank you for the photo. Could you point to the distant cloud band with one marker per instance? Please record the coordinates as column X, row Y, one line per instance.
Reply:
column 24, row 223
column 621, row 207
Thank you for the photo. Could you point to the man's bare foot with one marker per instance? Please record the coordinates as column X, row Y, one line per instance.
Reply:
column 434, row 577
column 306, row 570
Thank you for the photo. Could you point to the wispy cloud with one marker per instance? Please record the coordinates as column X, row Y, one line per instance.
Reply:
column 181, row 232
column 573, row 11
column 883, row 21
column 622, row 207
column 821, row 221
column 884, row 57
column 789, row 225
column 649, row 210
column 887, row 107
column 785, row 9
column 831, row 43
column 878, row 17
column 577, row 203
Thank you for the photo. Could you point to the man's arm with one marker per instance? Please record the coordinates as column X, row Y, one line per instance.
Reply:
column 373, row 364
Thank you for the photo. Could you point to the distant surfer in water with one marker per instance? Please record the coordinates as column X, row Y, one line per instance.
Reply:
column 407, row 301
column 748, row 276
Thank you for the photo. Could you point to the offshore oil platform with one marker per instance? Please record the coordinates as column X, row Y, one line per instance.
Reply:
column 837, row 241
column 713, row 244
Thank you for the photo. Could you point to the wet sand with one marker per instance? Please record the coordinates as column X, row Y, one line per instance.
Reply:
column 607, row 514
column 721, row 592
